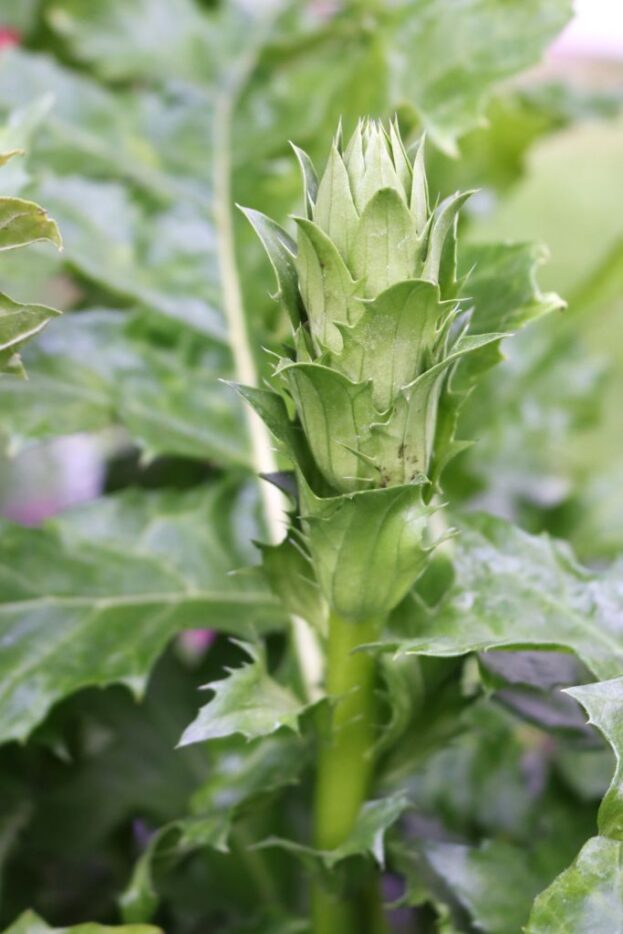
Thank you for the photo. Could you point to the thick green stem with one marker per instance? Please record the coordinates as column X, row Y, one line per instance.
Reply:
column 345, row 761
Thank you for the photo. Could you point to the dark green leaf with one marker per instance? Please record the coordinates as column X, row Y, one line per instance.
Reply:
column 92, row 598
column 367, row 837
column 494, row 882
column 241, row 773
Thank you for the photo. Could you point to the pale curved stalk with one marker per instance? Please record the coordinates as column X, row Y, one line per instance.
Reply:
column 263, row 457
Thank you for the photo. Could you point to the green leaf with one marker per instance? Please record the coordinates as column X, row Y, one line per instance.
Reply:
column 402, row 447
column 334, row 209
column 368, row 834
column 104, row 367
column 103, row 36
column 367, row 837
column 443, row 228
column 541, row 203
column 30, row 923
column 310, row 179
column 515, row 589
column 249, row 701
column 586, row 897
column 165, row 261
column 501, row 283
column 461, row 51
column 23, row 222
column 340, row 65
column 240, row 774
column 18, row 323
column 603, row 702
column 157, row 142
column 249, row 770
column 16, row 139
column 93, row 597
column 168, row 845
column 291, row 576
column 494, row 882
column 131, row 773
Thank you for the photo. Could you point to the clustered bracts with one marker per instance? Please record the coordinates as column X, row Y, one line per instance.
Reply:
column 370, row 285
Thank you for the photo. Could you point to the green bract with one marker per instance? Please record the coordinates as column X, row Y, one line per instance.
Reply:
column 371, row 290
column 376, row 274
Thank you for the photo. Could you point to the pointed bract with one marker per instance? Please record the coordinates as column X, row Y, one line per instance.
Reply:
column 382, row 360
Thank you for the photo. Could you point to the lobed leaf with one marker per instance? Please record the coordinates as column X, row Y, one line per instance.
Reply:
column 93, row 597
column 516, row 589
column 603, row 702
column 242, row 773
column 367, row 837
column 586, row 897
column 105, row 367
column 249, row 701
column 23, row 222
column 18, row 323
column 461, row 51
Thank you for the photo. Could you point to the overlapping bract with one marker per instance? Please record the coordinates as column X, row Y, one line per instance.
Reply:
column 376, row 274
column 371, row 290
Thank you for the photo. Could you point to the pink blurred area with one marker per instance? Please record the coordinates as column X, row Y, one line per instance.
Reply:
column 596, row 31
column 8, row 37
column 47, row 478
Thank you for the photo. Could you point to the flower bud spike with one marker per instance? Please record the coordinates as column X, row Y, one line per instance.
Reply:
column 401, row 159
column 380, row 171
column 334, row 209
column 310, row 179
column 445, row 216
column 362, row 403
column 419, row 187
column 338, row 139
column 355, row 164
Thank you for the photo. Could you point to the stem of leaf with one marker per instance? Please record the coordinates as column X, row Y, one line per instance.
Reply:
column 254, row 862
column 305, row 645
column 345, row 764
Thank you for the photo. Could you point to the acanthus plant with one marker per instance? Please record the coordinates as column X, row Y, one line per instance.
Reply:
column 364, row 405
column 389, row 731
column 365, row 410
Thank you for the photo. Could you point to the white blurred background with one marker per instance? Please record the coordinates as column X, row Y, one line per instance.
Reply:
column 596, row 31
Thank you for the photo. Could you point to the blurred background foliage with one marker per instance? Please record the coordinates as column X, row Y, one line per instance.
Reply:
column 128, row 111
